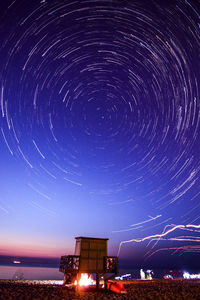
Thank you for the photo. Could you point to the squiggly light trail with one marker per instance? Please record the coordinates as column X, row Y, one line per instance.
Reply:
column 180, row 250
column 158, row 236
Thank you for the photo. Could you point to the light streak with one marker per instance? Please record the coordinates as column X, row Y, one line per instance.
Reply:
column 6, row 142
column 2, row 101
column 182, row 250
column 72, row 181
column 24, row 157
column 158, row 236
column 4, row 209
column 149, row 220
column 133, row 225
column 38, row 149
column 124, row 230
column 39, row 192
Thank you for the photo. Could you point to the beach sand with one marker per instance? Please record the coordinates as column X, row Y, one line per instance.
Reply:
column 155, row 289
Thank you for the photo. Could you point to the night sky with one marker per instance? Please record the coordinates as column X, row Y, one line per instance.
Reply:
column 100, row 127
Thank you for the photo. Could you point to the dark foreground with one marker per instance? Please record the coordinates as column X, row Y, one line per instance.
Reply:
column 158, row 289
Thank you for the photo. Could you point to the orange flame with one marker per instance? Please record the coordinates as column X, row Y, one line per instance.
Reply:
column 85, row 280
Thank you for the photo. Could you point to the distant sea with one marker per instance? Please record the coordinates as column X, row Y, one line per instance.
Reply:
column 48, row 269
column 30, row 273
column 19, row 271
column 29, row 268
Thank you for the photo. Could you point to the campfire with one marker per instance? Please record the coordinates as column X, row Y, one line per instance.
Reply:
column 85, row 280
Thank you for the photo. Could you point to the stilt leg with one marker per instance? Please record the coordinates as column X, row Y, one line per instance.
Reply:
column 105, row 282
column 78, row 277
column 97, row 280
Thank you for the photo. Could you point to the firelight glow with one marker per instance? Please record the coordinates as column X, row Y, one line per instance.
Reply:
column 85, row 280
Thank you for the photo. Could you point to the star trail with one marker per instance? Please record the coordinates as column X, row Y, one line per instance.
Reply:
column 100, row 126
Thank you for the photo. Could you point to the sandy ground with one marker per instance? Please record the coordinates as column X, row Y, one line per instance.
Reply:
column 156, row 289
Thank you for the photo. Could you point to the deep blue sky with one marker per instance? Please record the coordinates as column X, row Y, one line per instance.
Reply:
column 99, row 118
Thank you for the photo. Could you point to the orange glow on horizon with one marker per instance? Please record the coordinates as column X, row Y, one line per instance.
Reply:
column 24, row 249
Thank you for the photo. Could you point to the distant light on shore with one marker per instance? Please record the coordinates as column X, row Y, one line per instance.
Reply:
column 187, row 275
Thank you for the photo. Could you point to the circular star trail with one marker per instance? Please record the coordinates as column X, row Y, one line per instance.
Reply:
column 102, row 98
